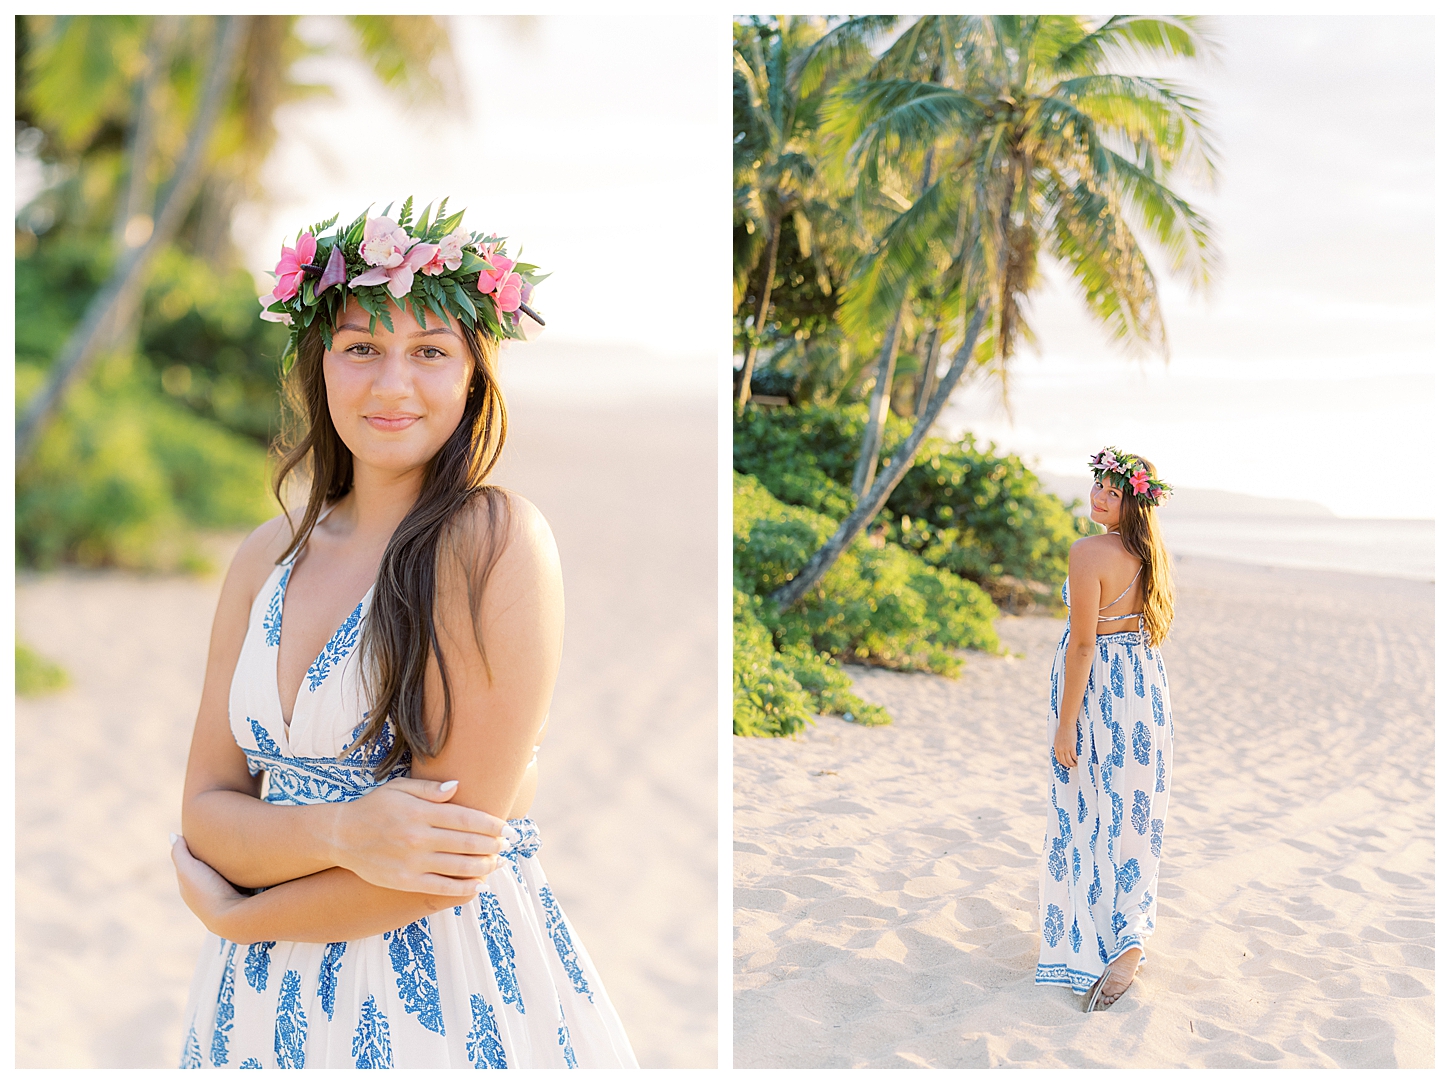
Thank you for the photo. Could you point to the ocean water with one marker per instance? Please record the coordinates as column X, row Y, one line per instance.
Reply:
column 1379, row 547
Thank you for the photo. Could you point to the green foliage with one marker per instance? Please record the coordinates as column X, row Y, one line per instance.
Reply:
column 974, row 513
column 159, row 442
column 166, row 435
column 35, row 675
column 777, row 692
column 880, row 605
column 123, row 478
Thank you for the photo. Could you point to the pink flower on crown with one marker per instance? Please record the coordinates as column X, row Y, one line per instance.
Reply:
column 384, row 243
column 268, row 300
column 289, row 268
column 394, row 256
column 501, row 280
column 449, row 254
column 1139, row 481
column 1156, row 493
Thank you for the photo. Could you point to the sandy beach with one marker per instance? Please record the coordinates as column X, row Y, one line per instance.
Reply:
column 626, row 808
column 886, row 879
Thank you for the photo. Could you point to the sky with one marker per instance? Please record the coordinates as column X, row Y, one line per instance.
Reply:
column 599, row 145
column 1308, row 369
column 588, row 141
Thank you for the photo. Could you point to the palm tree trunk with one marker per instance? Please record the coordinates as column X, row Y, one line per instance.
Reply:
column 880, row 404
column 754, row 347
column 867, row 509
column 113, row 304
column 928, row 369
column 136, row 199
column 885, row 373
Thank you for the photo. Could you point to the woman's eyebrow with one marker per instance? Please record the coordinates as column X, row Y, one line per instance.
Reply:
column 416, row 335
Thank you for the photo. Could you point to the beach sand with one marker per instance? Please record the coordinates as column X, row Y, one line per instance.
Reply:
column 626, row 807
column 886, row 879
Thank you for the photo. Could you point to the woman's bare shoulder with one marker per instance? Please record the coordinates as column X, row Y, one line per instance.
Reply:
column 257, row 556
column 1093, row 551
column 504, row 525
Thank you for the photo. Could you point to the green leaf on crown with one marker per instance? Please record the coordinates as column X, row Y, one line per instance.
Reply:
column 450, row 223
column 405, row 216
column 461, row 296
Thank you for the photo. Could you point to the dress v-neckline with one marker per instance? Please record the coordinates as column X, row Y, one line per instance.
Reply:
column 355, row 612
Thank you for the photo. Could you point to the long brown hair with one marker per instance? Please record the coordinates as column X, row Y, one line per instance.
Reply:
column 1138, row 527
column 400, row 635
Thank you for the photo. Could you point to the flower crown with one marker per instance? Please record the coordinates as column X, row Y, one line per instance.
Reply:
column 1130, row 474
column 419, row 265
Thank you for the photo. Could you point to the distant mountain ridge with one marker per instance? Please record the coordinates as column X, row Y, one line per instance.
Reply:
column 1194, row 503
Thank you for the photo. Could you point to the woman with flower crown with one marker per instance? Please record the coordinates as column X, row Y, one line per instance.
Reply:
column 1110, row 741
column 356, row 799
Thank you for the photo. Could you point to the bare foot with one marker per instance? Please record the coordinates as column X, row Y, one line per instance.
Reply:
column 1120, row 976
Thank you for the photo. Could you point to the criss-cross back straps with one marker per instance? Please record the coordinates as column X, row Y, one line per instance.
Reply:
column 1120, row 617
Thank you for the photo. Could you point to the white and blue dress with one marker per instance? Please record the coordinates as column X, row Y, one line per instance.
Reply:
column 1099, row 880
column 501, row 982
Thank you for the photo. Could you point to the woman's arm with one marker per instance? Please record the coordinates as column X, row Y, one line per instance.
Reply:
column 1084, row 574
column 407, row 834
column 489, row 745
column 334, row 905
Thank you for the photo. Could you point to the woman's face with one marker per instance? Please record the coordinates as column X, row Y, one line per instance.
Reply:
column 396, row 396
column 1107, row 504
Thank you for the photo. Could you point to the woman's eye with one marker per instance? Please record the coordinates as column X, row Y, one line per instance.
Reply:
column 360, row 350
column 431, row 352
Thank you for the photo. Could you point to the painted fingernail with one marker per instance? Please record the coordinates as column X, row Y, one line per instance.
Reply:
column 174, row 838
column 446, row 787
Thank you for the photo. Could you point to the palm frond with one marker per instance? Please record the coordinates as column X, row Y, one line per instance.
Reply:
column 844, row 48
column 908, row 252
column 1139, row 36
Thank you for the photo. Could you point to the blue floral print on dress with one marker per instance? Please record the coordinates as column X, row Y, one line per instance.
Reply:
column 272, row 622
column 225, row 1010
column 372, row 1047
column 563, row 943
column 485, row 1048
column 411, row 951
column 290, row 1041
column 337, row 649
column 494, row 925
column 327, row 975
column 256, row 966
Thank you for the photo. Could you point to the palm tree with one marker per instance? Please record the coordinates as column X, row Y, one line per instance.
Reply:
column 774, row 165
column 1043, row 147
column 192, row 101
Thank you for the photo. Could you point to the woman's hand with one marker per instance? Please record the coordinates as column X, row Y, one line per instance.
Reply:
column 209, row 895
column 1064, row 744
column 406, row 836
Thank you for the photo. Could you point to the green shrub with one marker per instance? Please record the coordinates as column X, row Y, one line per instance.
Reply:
column 880, row 605
column 777, row 692
column 35, row 675
column 163, row 437
column 974, row 513
column 122, row 478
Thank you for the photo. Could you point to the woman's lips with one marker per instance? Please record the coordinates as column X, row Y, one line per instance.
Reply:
column 391, row 422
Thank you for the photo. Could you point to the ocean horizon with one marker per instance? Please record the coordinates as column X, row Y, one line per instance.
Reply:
column 1281, row 532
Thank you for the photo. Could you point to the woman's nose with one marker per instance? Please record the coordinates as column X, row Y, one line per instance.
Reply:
column 392, row 378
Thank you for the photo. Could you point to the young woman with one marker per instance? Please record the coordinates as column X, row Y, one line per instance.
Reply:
column 386, row 656
column 1111, row 741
